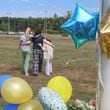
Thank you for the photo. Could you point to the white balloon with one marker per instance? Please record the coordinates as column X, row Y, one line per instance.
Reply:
column 51, row 100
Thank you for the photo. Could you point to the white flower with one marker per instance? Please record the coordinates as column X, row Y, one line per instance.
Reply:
column 78, row 104
column 81, row 105
column 91, row 107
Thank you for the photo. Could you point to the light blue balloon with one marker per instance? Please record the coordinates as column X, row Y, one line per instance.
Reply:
column 68, row 26
column 82, row 15
column 94, row 29
column 10, row 107
column 3, row 78
column 82, row 26
column 96, row 15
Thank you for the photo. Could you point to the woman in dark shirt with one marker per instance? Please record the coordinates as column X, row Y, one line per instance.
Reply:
column 37, row 41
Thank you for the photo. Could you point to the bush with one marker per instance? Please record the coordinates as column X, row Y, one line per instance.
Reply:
column 64, row 35
column 52, row 32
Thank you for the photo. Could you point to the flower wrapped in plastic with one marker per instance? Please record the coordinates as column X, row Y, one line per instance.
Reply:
column 81, row 105
column 104, row 39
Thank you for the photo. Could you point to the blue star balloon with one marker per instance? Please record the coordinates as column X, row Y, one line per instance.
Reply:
column 82, row 26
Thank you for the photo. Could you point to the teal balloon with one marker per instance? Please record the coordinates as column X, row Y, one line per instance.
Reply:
column 79, row 42
column 68, row 26
column 10, row 107
column 82, row 15
column 96, row 15
column 3, row 78
column 82, row 26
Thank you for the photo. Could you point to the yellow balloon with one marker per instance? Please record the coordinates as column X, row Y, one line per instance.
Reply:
column 62, row 86
column 16, row 90
column 30, row 105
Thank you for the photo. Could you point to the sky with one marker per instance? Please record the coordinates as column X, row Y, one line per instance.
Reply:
column 43, row 8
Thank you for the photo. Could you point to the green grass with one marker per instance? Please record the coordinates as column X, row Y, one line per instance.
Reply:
column 78, row 65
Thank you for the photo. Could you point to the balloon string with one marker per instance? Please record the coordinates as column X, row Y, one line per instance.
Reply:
column 68, row 62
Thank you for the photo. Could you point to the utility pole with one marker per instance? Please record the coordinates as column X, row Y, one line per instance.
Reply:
column 45, row 24
column 9, row 14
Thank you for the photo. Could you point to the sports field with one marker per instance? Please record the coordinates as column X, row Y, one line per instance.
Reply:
column 78, row 65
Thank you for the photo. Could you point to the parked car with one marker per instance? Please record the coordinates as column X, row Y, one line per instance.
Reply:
column 11, row 33
column 21, row 33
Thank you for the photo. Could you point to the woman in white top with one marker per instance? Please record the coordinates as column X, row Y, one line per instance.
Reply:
column 24, row 45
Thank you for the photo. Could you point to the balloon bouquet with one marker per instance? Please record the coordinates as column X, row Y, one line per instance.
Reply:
column 18, row 94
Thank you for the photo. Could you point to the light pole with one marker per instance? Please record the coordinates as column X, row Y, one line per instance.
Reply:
column 8, row 21
column 45, row 24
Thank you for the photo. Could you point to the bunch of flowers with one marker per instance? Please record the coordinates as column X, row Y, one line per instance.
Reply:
column 81, row 105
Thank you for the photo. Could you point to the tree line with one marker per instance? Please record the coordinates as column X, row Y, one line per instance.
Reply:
column 51, row 24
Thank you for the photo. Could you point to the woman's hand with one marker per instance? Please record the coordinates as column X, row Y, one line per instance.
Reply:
column 28, row 42
column 40, row 44
column 53, row 45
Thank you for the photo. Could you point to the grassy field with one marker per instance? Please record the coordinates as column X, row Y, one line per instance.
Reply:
column 78, row 65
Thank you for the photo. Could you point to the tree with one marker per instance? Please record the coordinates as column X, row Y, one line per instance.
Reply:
column 20, row 24
column 55, row 16
column 68, row 15
column 4, row 26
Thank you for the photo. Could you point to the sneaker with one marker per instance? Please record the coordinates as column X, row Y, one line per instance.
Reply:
column 47, row 74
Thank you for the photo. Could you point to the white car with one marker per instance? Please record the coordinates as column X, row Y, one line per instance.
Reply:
column 11, row 33
column 21, row 33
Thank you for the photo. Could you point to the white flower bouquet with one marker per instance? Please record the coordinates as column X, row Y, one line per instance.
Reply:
column 81, row 105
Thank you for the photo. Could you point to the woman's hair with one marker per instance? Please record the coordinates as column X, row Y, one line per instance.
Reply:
column 27, row 32
column 37, row 32
column 48, row 39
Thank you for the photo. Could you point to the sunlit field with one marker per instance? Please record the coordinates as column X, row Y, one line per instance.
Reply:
column 78, row 65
